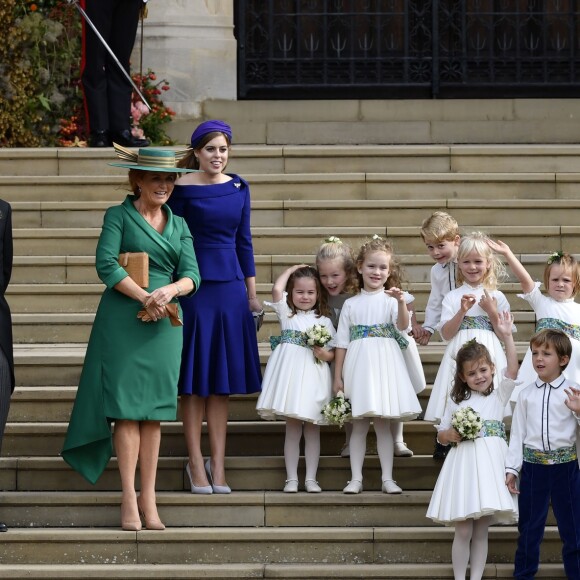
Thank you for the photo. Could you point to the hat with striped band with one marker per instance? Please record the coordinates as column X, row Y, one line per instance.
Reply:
column 150, row 159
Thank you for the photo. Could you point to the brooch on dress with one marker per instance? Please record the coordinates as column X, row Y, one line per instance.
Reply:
column 238, row 184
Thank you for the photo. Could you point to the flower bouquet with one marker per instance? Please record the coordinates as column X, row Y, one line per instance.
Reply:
column 318, row 335
column 467, row 422
column 337, row 410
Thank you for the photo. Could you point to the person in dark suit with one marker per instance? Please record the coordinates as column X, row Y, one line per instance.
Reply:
column 106, row 89
column 6, row 354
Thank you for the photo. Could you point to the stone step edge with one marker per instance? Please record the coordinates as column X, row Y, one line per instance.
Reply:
column 326, row 204
column 301, row 178
column 223, row 571
column 280, row 259
column 232, row 534
column 74, row 353
column 250, row 150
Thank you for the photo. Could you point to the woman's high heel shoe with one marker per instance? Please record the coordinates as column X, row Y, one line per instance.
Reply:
column 201, row 489
column 150, row 524
column 216, row 488
column 130, row 525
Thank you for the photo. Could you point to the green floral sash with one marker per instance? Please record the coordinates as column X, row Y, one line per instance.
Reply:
column 378, row 331
column 572, row 330
column 492, row 428
column 476, row 322
column 290, row 336
column 554, row 457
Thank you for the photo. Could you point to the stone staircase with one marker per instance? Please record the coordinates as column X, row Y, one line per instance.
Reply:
column 61, row 527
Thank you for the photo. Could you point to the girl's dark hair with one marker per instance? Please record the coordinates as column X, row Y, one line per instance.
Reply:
column 190, row 161
column 321, row 305
column 471, row 351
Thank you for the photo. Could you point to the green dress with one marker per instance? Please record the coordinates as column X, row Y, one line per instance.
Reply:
column 131, row 367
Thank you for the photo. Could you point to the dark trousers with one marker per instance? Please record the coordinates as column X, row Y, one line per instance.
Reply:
column 5, row 392
column 538, row 485
column 107, row 91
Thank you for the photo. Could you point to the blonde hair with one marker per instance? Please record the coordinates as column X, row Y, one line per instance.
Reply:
column 477, row 242
column 439, row 227
column 567, row 262
column 334, row 249
column 376, row 244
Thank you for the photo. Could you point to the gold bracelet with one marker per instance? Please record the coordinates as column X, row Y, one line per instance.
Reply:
column 178, row 288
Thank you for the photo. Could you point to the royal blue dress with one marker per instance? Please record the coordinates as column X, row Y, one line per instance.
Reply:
column 220, row 347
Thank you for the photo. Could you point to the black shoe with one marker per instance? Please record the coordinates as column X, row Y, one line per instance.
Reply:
column 125, row 139
column 3, row 527
column 99, row 139
column 441, row 451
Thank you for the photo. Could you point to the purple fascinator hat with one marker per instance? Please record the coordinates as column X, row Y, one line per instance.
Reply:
column 209, row 127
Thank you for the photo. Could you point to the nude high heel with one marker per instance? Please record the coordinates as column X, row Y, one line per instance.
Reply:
column 150, row 523
column 129, row 525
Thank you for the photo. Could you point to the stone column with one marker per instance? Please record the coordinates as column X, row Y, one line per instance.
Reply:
column 191, row 44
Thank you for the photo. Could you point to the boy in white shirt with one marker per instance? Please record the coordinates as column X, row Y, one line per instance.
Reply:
column 542, row 455
column 440, row 232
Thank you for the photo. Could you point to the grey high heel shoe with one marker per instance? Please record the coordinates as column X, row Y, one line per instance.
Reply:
column 201, row 489
column 215, row 488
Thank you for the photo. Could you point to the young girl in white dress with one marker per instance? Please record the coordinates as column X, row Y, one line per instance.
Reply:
column 338, row 277
column 470, row 492
column 295, row 386
column 469, row 312
column 556, row 310
column 369, row 364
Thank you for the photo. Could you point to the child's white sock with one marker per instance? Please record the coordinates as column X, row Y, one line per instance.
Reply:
column 292, row 447
column 311, row 449
column 385, row 447
column 358, row 447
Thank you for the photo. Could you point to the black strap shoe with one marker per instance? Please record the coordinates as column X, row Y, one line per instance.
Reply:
column 125, row 139
column 3, row 527
column 99, row 139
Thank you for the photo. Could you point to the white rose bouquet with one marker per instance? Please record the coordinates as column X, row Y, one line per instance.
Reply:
column 337, row 410
column 318, row 335
column 467, row 422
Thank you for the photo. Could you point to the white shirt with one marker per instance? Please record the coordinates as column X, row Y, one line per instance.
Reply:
column 541, row 421
column 443, row 277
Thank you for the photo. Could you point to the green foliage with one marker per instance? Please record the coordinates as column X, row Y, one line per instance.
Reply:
column 41, row 102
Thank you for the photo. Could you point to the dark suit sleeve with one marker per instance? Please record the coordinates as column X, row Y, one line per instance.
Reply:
column 8, row 248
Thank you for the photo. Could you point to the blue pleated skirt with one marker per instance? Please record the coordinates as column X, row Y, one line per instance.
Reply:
column 220, row 346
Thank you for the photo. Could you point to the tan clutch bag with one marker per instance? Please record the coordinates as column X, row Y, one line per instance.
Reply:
column 172, row 310
column 137, row 266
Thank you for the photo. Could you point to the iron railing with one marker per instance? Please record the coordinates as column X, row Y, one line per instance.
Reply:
column 407, row 48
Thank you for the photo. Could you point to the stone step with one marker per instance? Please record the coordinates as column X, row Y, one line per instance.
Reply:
column 392, row 120
column 240, row 509
column 77, row 164
column 342, row 571
column 83, row 298
column 53, row 404
column 245, row 438
column 364, row 545
column 471, row 214
column 27, row 473
column 334, row 184
column 60, row 364
column 64, row 327
column 39, row 270
column 305, row 240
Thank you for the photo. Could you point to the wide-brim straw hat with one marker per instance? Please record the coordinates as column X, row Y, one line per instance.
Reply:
column 151, row 159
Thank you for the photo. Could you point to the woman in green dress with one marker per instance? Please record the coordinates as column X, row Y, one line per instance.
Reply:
column 131, row 367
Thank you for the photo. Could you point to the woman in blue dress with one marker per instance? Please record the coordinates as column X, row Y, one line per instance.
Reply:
column 220, row 349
